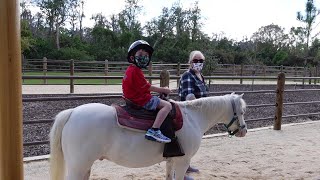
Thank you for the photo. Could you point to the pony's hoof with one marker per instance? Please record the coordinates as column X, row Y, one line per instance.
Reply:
column 187, row 178
column 192, row 170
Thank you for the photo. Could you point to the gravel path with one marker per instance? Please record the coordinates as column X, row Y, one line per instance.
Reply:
column 292, row 153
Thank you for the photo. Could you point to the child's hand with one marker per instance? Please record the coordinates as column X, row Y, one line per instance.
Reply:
column 166, row 90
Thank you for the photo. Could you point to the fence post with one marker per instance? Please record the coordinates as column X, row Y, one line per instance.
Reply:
column 106, row 68
column 150, row 71
column 310, row 74
column 164, row 78
column 279, row 101
column 304, row 75
column 45, row 69
column 71, row 76
column 253, row 74
column 178, row 73
column 233, row 70
column 22, row 65
column 241, row 73
column 315, row 74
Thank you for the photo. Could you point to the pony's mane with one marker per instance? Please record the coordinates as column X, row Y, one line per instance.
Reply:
column 243, row 104
column 208, row 103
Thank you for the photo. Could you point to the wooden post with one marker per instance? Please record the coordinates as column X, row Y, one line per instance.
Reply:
column 11, row 164
column 106, row 69
column 304, row 75
column 315, row 74
column 233, row 70
column 150, row 71
column 279, row 101
column 164, row 78
column 281, row 68
column 253, row 74
column 310, row 74
column 45, row 69
column 71, row 74
column 178, row 72
column 241, row 73
column 22, row 65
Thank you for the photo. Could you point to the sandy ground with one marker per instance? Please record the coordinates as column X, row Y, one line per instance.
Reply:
column 90, row 89
column 292, row 153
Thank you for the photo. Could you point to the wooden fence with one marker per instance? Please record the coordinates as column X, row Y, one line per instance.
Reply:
column 105, row 67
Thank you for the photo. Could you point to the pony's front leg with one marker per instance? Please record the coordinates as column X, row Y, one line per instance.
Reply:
column 181, row 166
column 169, row 170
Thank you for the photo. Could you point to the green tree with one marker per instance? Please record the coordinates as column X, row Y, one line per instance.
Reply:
column 56, row 13
column 27, row 40
column 268, row 41
column 309, row 18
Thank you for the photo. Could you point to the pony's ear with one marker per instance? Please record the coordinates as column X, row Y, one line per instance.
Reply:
column 241, row 95
column 233, row 93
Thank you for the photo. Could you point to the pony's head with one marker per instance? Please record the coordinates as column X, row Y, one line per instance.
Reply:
column 228, row 110
column 237, row 126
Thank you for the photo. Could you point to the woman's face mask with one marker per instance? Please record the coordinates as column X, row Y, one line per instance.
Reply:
column 197, row 66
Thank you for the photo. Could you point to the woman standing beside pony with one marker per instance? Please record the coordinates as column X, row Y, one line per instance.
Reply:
column 192, row 84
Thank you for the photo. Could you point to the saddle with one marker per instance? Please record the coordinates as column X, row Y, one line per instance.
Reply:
column 134, row 117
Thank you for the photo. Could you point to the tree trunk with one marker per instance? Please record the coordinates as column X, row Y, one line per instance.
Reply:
column 81, row 19
column 81, row 31
column 158, row 41
column 58, row 36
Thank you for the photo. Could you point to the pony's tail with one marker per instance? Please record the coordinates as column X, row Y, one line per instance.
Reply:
column 57, row 164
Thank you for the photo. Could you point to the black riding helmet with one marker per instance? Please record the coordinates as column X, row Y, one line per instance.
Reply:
column 135, row 46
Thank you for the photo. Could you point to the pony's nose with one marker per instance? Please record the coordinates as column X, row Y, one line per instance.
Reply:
column 242, row 133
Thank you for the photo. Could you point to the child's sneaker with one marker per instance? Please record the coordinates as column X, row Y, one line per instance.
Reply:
column 156, row 136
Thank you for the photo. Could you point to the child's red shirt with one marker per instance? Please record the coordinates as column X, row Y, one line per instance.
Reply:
column 135, row 87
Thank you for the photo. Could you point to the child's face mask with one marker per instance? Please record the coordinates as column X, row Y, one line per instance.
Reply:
column 197, row 66
column 142, row 61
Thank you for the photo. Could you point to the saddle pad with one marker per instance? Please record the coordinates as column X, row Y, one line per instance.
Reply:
column 177, row 121
column 126, row 120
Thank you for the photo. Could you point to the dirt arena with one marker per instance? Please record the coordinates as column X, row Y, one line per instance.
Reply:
column 48, row 109
column 291, row 153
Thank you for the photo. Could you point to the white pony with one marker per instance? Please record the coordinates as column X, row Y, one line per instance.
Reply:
column 89, row 132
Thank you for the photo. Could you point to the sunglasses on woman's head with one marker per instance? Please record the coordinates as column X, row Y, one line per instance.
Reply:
column 197, row 60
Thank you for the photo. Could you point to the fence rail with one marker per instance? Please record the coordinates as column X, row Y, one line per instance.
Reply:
column 49, row 65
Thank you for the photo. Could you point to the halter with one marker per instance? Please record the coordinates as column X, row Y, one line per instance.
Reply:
column 234, row 119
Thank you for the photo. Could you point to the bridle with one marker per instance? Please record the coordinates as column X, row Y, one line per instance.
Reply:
column 233, row 120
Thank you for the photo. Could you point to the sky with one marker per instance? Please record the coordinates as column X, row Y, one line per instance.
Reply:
column 236, row 18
